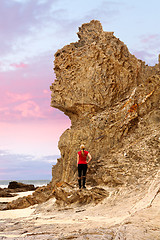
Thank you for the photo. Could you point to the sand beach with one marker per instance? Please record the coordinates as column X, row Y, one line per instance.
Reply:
column 113, row 218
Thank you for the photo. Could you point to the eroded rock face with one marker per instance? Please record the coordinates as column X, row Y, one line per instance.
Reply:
column 112, row 99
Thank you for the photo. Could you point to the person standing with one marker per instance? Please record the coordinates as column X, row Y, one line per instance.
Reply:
column 82, row 162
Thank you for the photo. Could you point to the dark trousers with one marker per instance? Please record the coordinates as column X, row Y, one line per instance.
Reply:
column 82, row 170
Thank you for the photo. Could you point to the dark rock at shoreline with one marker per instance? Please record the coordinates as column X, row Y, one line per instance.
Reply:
column 24, row 187
column 5, row 193
column 15, row 187
column 40, row 195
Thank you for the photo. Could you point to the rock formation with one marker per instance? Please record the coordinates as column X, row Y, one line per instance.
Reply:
column 64, row 193
column 112, row 99
column 14, row 187
column 21, row 187
column 40, row 195
column 5, row 193
column 67, row 194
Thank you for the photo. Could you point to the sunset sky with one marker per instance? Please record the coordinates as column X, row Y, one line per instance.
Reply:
column 31, row 31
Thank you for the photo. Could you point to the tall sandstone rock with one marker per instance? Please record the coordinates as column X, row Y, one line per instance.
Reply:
column 113, row 101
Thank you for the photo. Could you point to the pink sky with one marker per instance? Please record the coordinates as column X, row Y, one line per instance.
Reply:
column 30, row 33
column 29, row 127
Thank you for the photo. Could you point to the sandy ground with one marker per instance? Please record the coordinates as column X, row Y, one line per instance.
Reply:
column 19, row 194
column 130, row 216
column 16, row 213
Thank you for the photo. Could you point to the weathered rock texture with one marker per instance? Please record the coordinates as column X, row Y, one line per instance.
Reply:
column 112, row 99
column 40, row 195
column 67, row 194
column 64, row 193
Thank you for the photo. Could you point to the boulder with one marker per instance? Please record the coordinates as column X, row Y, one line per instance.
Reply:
column 18, row 186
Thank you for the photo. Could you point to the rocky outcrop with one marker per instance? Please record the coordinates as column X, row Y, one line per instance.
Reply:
column 67, row 194
column 5, row 193
column 12, row 190
column 18, row 186
column 40, row 195
column 125, row 212
column 112, row 99
column 64, row 193
column 14, row 187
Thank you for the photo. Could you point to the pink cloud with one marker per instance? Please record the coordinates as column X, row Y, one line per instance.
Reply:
column 147, row 56
column 149, row 49
column 20, row 65
column 151, row 43
column 4, row 113
column 19, row 106
column 25, row 92
column 150, row 38
column 29, row 90
column 15, row 97
column 29, row 109
column 143, row 54
column 45, row 91
column 3, row 109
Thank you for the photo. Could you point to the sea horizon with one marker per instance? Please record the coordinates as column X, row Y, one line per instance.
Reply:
column 36, row 183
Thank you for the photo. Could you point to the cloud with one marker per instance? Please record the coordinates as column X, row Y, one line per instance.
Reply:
column 149, row 38
column 20, row 65
column 106, row 11
column 30, row 28
column 150, row 57
column 45, row 91
column 25, row 93
column 15, row 97
column 142, row 54
column 148, row 48
column 151, row 41
column 20, row 18
column 27, row 29
column 26, row 106
column 17, row 106
column 17, row 166
column 29, row 109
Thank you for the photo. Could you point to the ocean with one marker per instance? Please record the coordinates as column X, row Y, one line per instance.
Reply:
column 36, row 183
